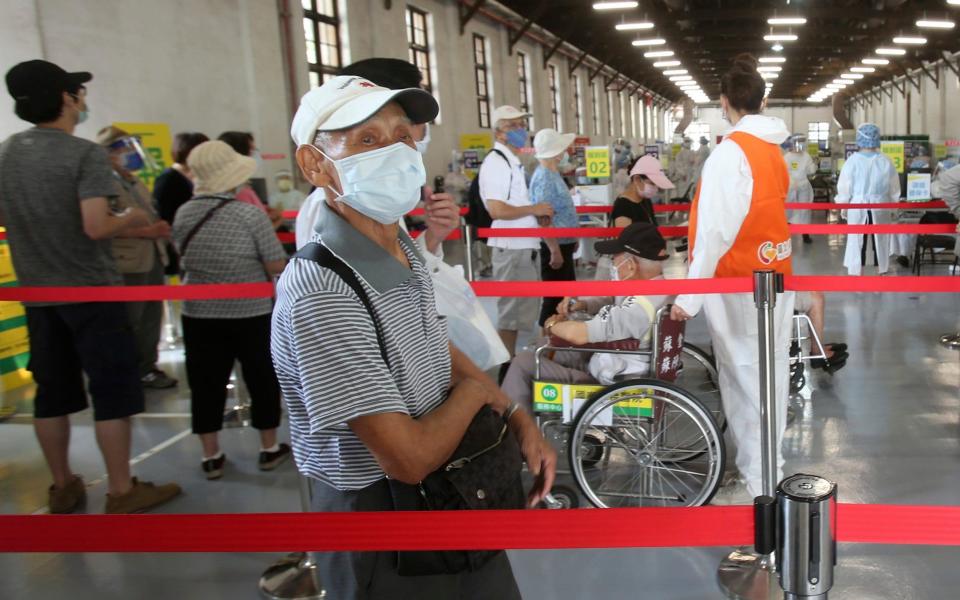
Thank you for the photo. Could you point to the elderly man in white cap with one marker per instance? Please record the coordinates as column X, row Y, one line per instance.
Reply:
column 377, row 396
column 503, row 189
column 547, row 187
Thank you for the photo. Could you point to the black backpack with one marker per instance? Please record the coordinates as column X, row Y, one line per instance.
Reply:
column 477, row 215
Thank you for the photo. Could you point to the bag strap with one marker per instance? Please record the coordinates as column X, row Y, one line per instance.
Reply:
column 322, row 255
column 510, row 166
column 203, row 221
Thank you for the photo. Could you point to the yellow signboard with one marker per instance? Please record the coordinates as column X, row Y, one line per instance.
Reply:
column 157, row 142
column 940, row 151
column 813, row 149
column 14, row 341
column 894, row 151
column 476, row 141
column 598, row 161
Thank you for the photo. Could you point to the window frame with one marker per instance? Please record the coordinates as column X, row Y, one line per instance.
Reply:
column 318, row 72
column 818, row 131
column 483, row 99
column 610, row 113
column 595, row 106
column 577, row 102
column 526, row 86
column 553, row 81
column 413, row 49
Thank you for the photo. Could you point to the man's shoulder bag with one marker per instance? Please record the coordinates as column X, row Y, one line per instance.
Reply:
column 482, row 473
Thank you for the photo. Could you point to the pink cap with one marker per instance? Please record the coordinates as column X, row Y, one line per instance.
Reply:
column 650, row 167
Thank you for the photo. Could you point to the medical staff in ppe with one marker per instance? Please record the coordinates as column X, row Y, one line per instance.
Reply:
column 684, row 168
column 738, row 225
column 868, row 177
column 800, row 167
column 702, row 153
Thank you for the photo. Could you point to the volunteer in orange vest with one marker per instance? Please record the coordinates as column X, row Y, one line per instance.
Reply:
column 738, row 224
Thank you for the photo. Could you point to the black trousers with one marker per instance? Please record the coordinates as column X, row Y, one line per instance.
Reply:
column 566, row 272
column 211, row 347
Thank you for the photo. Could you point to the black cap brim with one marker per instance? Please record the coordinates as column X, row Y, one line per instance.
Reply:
column 609, row 247
column 79, row 78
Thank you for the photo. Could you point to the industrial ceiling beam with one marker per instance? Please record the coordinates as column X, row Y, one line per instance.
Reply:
column 467, row 13
column 551, row 51
column 516, row 36
column 576, row 63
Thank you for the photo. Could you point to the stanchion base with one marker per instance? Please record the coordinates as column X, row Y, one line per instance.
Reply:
column 951, row 340
column 747, row 576
column 238, row 416
column 292, row 578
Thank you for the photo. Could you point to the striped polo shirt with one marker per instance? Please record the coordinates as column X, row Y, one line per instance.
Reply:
column 328, row 359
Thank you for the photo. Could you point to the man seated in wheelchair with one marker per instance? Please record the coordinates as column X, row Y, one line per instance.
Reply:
column 637, row 254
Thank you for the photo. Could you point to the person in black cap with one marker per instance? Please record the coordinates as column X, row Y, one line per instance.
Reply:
column 56, row 194
column 638, row 254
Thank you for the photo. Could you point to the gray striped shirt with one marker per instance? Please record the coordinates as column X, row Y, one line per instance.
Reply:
column 328, row 360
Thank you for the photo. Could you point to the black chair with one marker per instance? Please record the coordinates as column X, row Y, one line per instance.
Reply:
column 927, row 245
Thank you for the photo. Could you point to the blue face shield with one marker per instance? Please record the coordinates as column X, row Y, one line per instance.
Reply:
column 130, row 152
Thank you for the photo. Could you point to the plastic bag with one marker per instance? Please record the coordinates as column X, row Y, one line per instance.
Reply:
column 468, row 325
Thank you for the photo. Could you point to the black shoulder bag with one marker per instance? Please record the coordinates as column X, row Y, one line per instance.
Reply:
column 482, row 473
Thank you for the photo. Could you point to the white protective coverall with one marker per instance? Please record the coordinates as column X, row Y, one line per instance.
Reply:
column 868, row 178
column 684, row 169
column 800, row 167
column 702, row 154
column 726, row 189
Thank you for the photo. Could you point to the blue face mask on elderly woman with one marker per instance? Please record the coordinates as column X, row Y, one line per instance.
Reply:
column 383, row 184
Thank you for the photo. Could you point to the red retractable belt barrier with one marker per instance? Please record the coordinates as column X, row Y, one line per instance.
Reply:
column 139, row 293
column 451, row 530
column 605, row 232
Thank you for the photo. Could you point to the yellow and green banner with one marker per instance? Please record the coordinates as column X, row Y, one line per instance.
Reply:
column 895, row 152
column 14, row 341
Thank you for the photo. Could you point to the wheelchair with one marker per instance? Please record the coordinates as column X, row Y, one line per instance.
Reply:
column 802, row 331
column 651, row 441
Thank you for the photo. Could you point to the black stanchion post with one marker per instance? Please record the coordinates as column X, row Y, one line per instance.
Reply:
column 294, row 577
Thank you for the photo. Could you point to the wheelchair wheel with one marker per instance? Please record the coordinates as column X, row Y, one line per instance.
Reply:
column 699, row 377
column 661, row 447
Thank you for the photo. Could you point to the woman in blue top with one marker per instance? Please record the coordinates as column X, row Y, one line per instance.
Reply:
column 547, row 186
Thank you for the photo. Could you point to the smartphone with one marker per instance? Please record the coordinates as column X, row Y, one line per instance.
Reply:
column 438, row 184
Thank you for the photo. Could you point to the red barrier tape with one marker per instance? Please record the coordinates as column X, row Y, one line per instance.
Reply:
column 726, row 285
column 451, row 530
column 683, row 207
column 606, row 232
column 456, row 234
column 140, row 293
column 447, row 530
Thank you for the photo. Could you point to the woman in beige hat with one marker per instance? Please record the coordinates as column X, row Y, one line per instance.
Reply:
column 222, row 240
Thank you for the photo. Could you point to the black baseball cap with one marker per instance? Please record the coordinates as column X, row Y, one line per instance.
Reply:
column 36, row 77
column 639, row 239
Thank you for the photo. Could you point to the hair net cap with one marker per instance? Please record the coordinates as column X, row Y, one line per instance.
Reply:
column 868, row 136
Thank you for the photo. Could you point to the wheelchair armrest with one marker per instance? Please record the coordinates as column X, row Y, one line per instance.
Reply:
column 627, row 345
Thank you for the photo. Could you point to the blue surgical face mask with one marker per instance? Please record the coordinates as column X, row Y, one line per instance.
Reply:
column 518, row 137
column 422, row 144
column 83, row 116
column 383, row 184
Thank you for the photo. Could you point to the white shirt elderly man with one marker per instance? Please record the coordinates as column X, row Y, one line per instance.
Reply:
column 503, row 189
column 377, row 392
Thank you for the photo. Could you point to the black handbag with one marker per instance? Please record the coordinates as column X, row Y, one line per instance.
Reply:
column 482, row 473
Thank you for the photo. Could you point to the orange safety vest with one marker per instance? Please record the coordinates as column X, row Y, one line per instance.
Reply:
column 763, row 241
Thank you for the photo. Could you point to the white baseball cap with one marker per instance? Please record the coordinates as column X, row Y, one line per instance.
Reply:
column 550, row 142
column 506, row 112
column 346, row 101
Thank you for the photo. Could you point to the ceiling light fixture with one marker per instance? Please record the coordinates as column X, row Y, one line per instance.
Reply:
column 769, row 75
column 777, row 48
column 666, row 63
column 675, row 72
column 875, row 61
column 769, row 69
column 614, row 5
column 910, row 40
column 863, row 69
column 786, row 21
column 840, row 81
column 649, row 42
column 891, row 51
column 682, row 78
column 932, row 24
column 658, row 54
column 634, row 26
column 773, row 59
column 780, row 37
column 851, row 76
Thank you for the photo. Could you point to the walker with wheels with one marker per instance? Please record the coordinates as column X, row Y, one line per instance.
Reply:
column 649, row 441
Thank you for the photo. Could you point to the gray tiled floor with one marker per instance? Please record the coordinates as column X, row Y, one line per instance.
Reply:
column 887, row 428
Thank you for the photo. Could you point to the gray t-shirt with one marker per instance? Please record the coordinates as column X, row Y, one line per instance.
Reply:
column 44, row 176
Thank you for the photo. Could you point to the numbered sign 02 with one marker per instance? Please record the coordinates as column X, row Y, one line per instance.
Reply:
column 598, row 161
